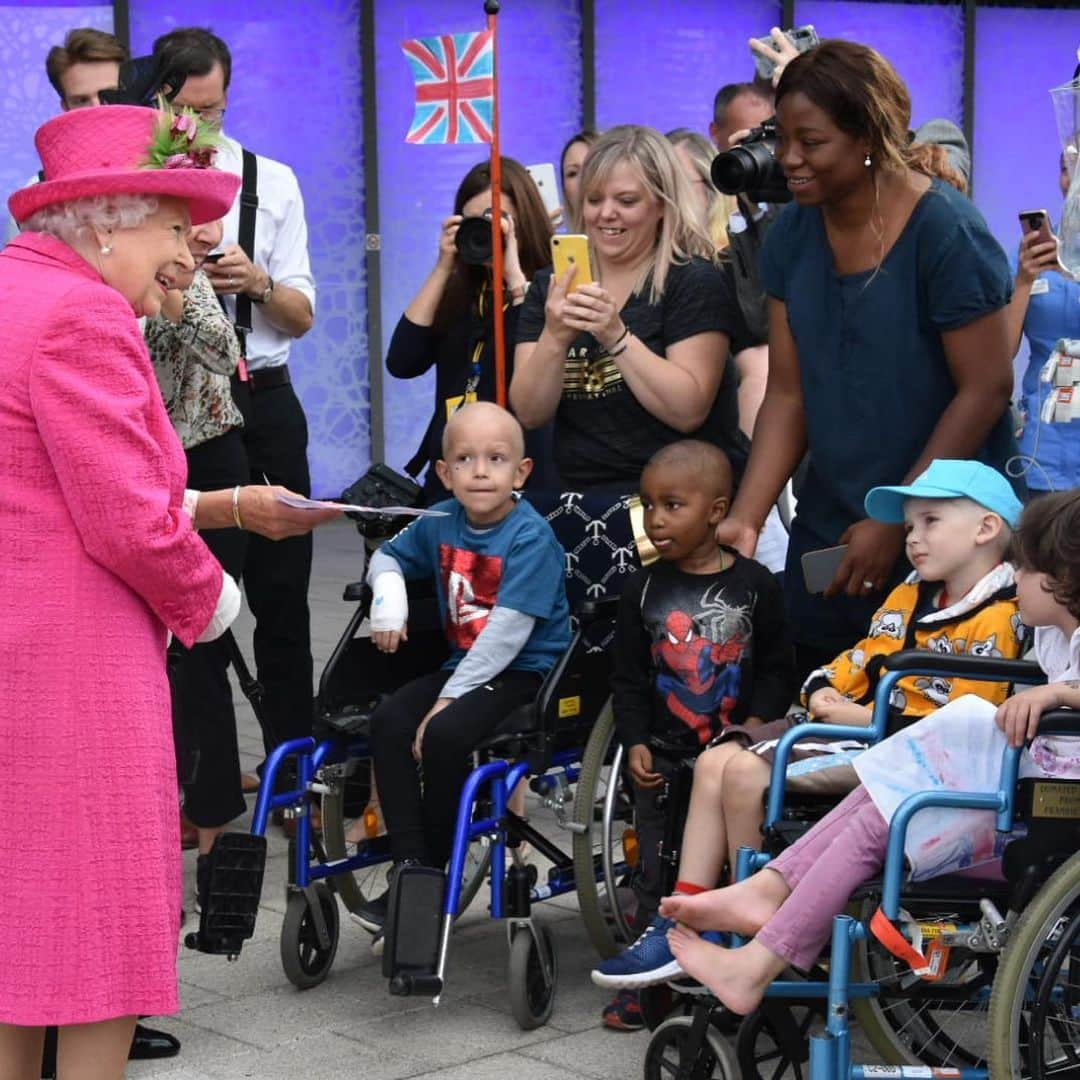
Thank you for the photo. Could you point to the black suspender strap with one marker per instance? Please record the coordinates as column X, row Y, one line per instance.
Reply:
column 249, row 203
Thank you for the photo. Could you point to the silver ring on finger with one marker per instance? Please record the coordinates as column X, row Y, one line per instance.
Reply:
column 868, row 586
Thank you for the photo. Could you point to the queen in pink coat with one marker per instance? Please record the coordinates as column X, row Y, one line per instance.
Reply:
column 99, row 561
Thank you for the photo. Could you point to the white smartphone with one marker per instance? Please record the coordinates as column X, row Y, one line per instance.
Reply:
column 819, row 567
column 804, row 38
column 544, row 178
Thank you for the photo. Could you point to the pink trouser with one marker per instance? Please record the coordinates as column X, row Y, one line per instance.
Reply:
column 823, row 869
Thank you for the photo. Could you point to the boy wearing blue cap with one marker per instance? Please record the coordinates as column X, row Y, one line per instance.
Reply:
column 960, row 598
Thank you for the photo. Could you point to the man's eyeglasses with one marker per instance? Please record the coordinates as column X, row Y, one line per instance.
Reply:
column 210, row 116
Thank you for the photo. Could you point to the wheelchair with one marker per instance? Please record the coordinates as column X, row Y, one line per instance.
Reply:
column 1005, row 1001
column 540, row 744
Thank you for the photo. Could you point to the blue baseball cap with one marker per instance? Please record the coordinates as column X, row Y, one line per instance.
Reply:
column 946, row 479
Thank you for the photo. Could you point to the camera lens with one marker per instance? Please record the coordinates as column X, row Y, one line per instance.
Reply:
column 473, row 241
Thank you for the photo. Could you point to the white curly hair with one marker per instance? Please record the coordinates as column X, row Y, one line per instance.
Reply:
column 67, row 220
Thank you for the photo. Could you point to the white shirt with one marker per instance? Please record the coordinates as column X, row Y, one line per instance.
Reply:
column 280, row 247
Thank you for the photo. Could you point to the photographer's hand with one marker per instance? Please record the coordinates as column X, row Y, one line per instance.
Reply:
column 513, row 275
column 556, row 324
column 781, row 56
column 447, row 248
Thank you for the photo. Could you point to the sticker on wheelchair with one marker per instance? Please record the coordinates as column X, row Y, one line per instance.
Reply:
column 569, row 706
column 907, row 1071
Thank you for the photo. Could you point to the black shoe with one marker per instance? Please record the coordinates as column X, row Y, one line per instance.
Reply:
column 371, row 914
column 150, row 1044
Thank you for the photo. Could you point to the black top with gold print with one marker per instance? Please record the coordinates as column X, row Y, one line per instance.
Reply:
column 603, row 434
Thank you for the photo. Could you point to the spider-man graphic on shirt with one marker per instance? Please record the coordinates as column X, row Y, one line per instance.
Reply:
column 698, row 657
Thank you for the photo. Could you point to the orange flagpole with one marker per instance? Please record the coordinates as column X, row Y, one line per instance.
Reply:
column 491, row 8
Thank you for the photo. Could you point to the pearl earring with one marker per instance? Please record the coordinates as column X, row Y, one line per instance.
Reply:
column 107, row 249
column 866, row 161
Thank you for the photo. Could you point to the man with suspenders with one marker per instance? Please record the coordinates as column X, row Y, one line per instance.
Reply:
column 264, row 282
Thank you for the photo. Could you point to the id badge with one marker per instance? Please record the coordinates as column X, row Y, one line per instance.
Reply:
column 455, row 403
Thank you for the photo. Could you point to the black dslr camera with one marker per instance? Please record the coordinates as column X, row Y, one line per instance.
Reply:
column 142, row 79
column 751, row 168
column 473, row 240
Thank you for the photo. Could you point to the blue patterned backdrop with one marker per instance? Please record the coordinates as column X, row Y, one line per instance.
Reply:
column 661, row 64
column 27, row 32
column 540, row 78
column 296, row 96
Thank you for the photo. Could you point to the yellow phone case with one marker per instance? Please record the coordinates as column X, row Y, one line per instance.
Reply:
column 572, row 249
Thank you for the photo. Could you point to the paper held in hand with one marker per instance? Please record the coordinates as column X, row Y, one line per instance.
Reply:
column 301, row 503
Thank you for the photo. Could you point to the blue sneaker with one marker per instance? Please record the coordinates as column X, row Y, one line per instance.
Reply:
column 648, row 961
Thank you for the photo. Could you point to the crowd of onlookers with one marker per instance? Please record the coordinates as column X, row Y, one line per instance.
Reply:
column 709, row 355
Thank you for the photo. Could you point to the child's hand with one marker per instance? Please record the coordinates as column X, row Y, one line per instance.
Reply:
column 418, row 740
column 831, row 706
column 641, row 767
column 1019, row 716
column 389, row 640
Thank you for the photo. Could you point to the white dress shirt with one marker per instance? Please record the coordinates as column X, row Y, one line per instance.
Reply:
column 280, row 247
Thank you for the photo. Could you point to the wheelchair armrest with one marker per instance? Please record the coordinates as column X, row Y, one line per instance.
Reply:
column 1060, row 722
column 357, row 591
column 554, row 677
column 593, row 610
column 774, row 806
column 970, row 667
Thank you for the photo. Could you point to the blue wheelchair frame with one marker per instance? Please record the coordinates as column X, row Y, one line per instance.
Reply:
column 830, row 1051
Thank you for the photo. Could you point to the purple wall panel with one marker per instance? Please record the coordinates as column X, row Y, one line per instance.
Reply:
column 924, row 42
column 28, row 99
column 540, row 99
column 296, row 96
column 661, row 64
column 1019, row 56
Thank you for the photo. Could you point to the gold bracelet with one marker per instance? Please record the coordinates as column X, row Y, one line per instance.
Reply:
column 236, row 507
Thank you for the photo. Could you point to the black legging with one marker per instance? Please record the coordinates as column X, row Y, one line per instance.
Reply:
column 421, row 822
column 202, row 686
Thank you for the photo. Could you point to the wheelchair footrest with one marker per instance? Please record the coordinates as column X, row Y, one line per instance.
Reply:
column 229, row 887
column 413, row 930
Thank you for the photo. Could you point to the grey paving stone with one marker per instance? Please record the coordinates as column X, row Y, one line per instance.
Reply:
column 599, row 1054
column 502, row 1066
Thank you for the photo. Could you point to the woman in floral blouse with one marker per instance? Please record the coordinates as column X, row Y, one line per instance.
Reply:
column 195, row 352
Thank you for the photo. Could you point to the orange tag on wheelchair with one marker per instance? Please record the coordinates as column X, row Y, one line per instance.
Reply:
column 930, row 966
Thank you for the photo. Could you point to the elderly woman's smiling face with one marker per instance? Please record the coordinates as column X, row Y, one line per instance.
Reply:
column 144, row 262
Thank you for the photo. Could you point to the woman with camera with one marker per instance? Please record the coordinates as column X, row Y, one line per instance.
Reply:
column 888, row 343
column 449, row 323
column 637, row 359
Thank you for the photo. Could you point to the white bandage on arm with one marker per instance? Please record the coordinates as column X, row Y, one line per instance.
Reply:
column 389, row 601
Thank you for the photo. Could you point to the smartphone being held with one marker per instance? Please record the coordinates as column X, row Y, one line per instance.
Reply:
column 572, row 250
column 544, row 178
column 1037, row 221
column 804, row 38
column 819, row 567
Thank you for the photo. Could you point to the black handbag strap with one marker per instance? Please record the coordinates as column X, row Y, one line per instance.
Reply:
column 249, row 203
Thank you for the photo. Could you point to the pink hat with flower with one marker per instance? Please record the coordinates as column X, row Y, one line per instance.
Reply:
column 130, row 150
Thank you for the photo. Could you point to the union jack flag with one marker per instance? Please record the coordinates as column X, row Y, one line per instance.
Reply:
column 455, row 87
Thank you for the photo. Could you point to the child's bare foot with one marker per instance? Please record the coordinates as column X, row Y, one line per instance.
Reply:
column 738, row 977
column 743, row 908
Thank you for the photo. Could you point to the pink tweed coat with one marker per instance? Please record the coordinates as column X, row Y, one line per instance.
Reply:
column 97, row 558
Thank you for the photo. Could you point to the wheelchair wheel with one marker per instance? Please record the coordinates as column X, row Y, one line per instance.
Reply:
column 305, row 961
column 914, row 1022
column 533, row 976
column 370, row 882
column 659, row 1003
column 602, row 817
column 675, row 1051
column 1034, row 1017
column 774, row 1040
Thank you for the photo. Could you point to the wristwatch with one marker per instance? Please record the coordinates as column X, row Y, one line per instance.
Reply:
column 266, row 293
